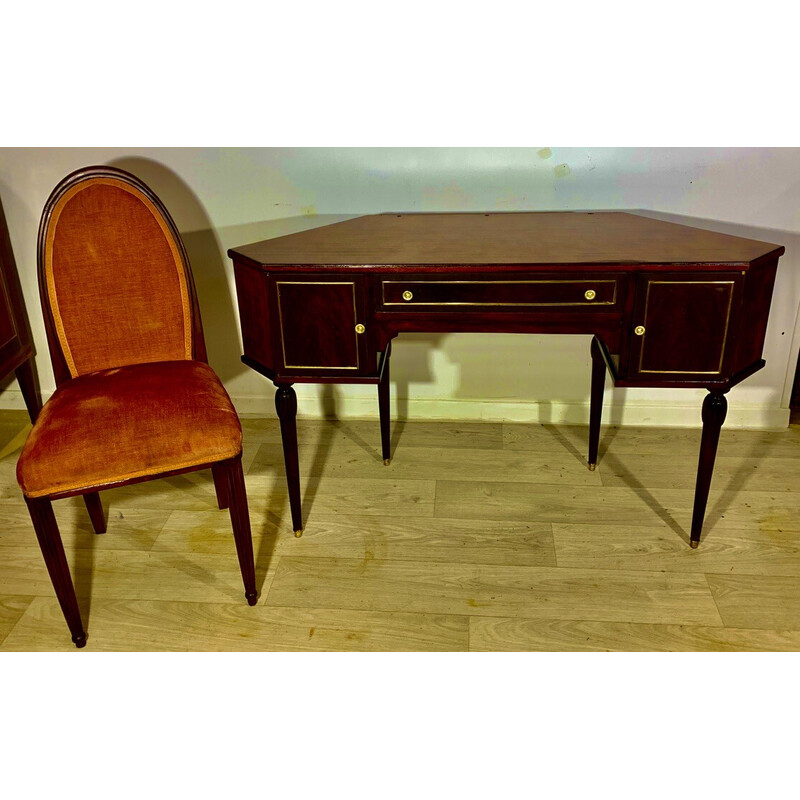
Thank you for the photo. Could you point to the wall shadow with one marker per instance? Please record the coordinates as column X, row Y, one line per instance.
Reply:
column 220, row 326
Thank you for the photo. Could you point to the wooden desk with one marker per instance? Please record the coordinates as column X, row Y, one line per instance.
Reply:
column 669, row 305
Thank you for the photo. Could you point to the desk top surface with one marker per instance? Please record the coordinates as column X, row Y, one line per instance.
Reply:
column 519, row 238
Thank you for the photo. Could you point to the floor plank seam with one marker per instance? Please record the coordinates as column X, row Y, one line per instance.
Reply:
column 714, row 598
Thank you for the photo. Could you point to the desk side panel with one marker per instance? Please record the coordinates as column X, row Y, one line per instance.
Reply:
column 252, row 296
column 759, row 282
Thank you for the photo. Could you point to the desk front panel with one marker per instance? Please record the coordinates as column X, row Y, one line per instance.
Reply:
column 457, row 293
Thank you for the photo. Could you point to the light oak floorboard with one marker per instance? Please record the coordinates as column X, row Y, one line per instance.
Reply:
column 750, row 601
column 372, row 538
column 492, row 590
column 639, row 440
column 731, row 473
column 498, row 634
column 128, row 575
column 479, row 535
column 127, row 529
column 334, row 496
column 725, row 550
column 615, row 505
column 147, row 625
column 12, row 607
column 366, row 434
column 344, row 460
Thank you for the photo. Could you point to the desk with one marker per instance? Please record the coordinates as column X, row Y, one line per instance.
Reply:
column 668, row 305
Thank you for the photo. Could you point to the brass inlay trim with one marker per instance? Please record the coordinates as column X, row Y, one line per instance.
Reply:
column 278, row 285
column 386, row 302
column 717, row 371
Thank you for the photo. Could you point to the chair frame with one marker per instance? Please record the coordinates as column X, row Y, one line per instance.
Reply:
column 228, row 474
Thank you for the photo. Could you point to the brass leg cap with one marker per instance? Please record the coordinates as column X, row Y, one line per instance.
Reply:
column 592, row 467
column 298, row 533
column 693, row 544
column 386, row 462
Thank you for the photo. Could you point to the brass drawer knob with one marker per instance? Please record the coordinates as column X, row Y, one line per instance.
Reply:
column 639, row 330
column 407, row 295
column 360, row 328
column 590, row 294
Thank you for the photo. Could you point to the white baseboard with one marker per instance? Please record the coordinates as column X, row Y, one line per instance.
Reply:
column 677, row 415
column 666, row 415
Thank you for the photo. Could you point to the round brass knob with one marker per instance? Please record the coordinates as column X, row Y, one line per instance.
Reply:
column 590, row 294
column 360, row 328
column 407, row 295
column 639, row 330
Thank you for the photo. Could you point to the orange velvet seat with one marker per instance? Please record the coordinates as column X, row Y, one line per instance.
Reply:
column 120, row 424
column 135, row 397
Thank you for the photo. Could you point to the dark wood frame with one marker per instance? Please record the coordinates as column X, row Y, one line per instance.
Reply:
column 228, row 474
column 17, row 354
column 366, row 247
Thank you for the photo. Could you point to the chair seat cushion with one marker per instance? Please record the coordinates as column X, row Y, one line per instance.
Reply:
column 127, row 423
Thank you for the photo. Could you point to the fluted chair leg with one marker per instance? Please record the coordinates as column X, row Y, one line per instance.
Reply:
column 240, row 521
column 44, row 523
column 220, row 485
column 95, row 508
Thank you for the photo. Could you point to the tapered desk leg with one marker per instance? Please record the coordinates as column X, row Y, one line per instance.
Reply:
column 596, row 401
column 383, row 408
column 29, row 389
column 715, row 407
column 44, row 523
column 286, row 406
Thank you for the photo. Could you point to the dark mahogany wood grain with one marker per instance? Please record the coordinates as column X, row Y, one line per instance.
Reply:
column 286, row 406
column 16, row 350
column 503, row 239
column 689, row 324
column 596, row 401
column 459, row 292
column 715, row 408
column 316, row 324
column 702, row 298
column 44, row 523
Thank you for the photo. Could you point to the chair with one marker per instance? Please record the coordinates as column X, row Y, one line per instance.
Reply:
column 135, row 398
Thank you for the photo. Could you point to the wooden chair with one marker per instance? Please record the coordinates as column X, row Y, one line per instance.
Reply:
column 135, row 398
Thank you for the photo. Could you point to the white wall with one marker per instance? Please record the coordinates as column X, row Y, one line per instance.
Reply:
column 226, row 197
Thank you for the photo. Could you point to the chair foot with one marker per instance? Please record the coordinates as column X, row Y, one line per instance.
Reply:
column 252, row 597
column 387, row 461
column 694, row 543
column 80, row 641
column 592, row 467
column 298, row 533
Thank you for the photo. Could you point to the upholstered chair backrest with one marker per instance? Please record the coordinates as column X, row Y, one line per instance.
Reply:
column 114, row 277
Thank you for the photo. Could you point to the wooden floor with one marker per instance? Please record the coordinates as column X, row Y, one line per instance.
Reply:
column 479, row 536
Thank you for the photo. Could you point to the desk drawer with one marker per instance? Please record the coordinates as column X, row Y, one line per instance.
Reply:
column 452, row 295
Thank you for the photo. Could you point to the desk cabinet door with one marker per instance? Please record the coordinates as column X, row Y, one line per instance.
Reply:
column 321, row 325
column 683, row 326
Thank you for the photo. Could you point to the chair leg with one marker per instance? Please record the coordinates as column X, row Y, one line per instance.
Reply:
column 596, row 401
column 383, row 408
column 240, row 521
column 220, row 485
column 95, row 508
column 44, row 523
